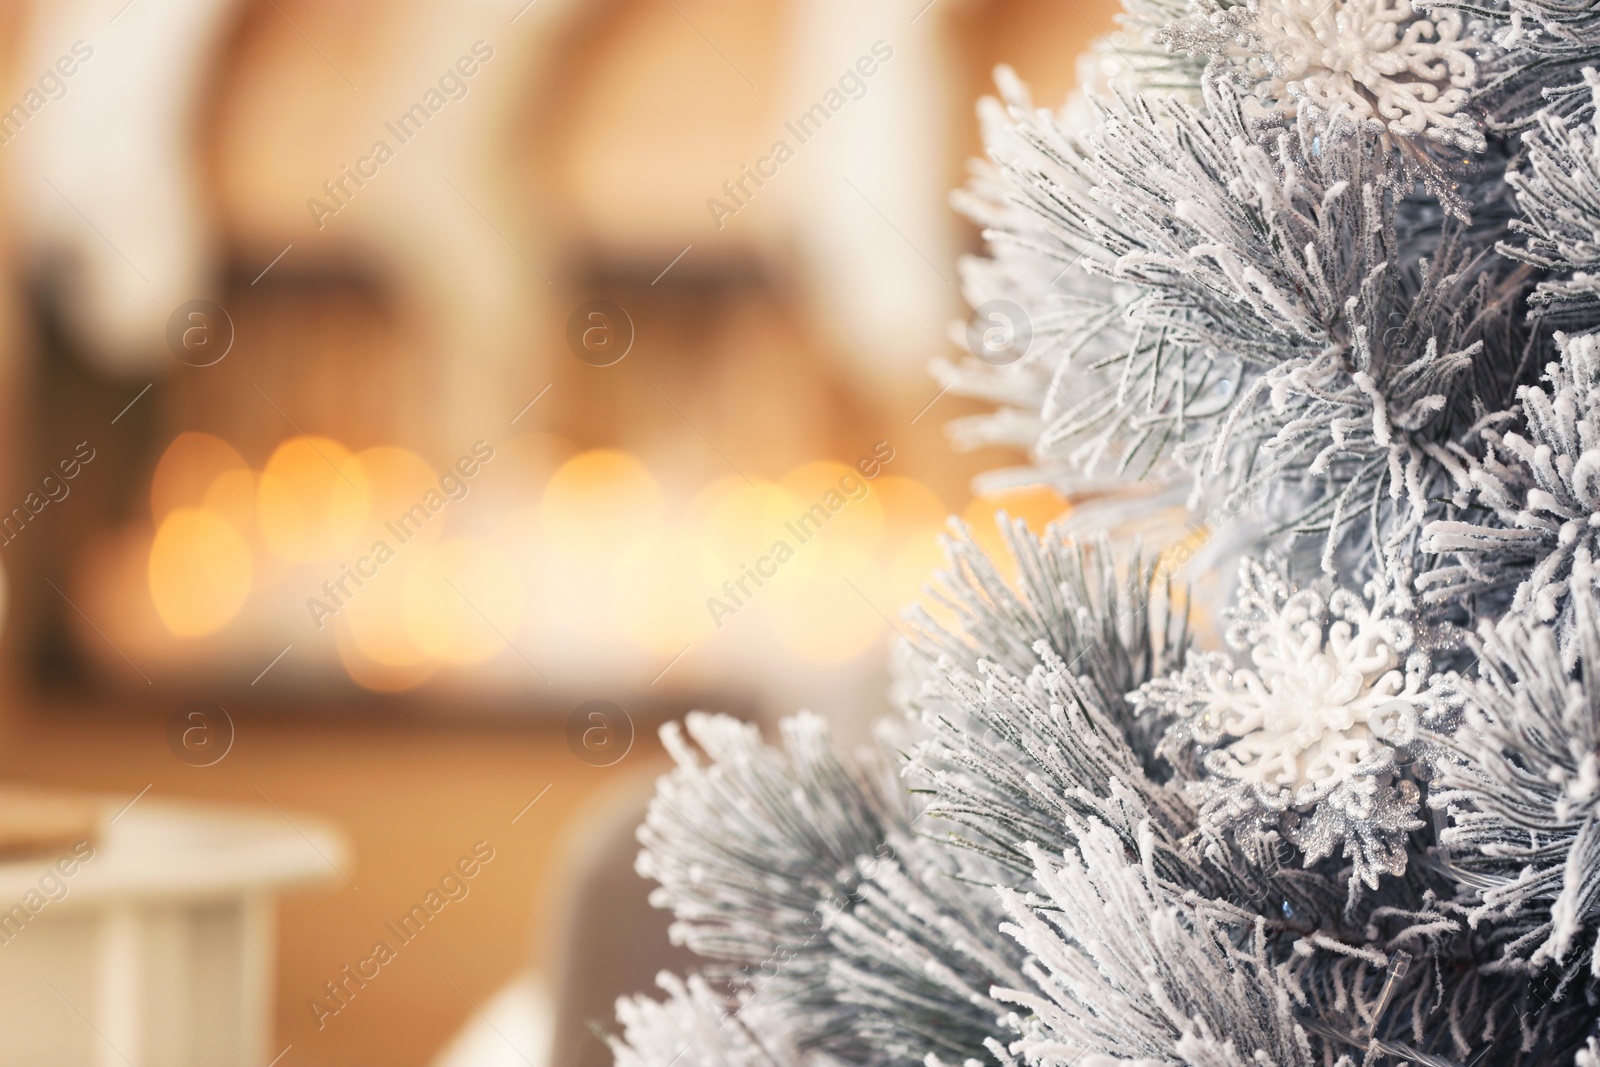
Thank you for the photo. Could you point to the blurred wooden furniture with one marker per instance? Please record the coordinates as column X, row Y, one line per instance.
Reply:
column 155, row 944
column 39, row 823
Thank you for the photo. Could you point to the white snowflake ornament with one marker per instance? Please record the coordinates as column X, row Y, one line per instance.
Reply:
column 1308, row 740
column 1410, row 73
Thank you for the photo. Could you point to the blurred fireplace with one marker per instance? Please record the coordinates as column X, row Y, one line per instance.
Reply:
column 221, row 540
column 294, row 500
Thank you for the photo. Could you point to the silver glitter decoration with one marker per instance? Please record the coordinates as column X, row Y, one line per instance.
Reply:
column 1307, row 740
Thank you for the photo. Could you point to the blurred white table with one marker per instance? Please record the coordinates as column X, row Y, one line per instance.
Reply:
column 161, row 951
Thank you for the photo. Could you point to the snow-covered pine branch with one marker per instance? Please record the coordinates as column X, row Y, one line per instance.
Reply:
column 1295, row 260
column 697, row 1027
column 1558, row 190
column 1274, row 326
column 1523, row 794
column 753, row 850
column 1531, row 503
column 1124, row 974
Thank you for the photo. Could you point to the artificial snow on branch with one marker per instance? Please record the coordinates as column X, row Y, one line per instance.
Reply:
column 1273, row 326
column 697, row 1027
column 1124, row 974
column 753, row 850
column 1559, row 193
column 1300, row 267
column 1523, row 794
column 1531, row 504
column 1536, row 67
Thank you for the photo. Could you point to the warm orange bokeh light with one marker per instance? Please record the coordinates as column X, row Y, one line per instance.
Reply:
column 914, row 519
column 524, row 464
column 373, row 623
column 232, row 494
column 659, row 602
column 200, row 470
column 1038, row 506
column 376, row 674
column 827, row 622
column 855, row 514
column 599, row 504
column 567, row 544
column 908, row 506
column 313, row 499
column 461, row 601
column 397, row 480
column 736, row 522
column 912, row 570
column 199, row 572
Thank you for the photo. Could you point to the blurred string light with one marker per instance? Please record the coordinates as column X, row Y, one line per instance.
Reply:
column 551, row 549
column 200, row 568
column 314, row 497
column 200, row 571
column 600, row 505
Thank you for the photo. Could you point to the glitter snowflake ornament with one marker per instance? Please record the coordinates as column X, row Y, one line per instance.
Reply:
column 1382, row 62
column 1307, row 742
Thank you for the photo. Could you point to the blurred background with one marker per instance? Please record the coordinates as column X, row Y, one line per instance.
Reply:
column 528, row 294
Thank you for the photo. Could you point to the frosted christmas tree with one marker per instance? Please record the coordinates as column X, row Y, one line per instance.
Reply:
column 1325, row 273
